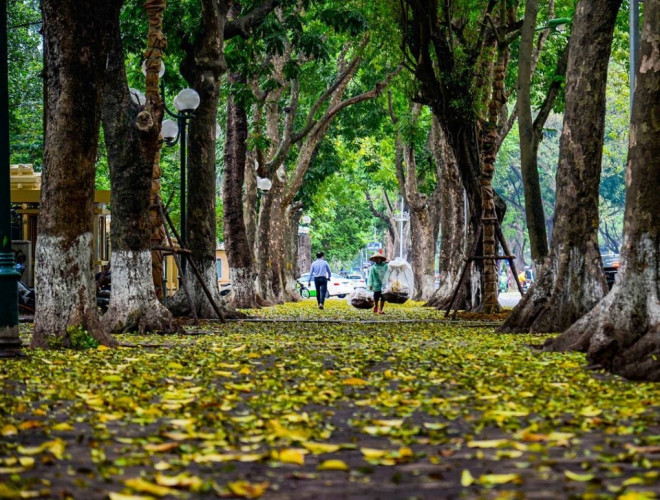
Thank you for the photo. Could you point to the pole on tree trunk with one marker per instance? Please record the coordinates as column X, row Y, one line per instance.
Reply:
column 182, row 279
column 10, row 342
column 461, row 281
column 193, row 266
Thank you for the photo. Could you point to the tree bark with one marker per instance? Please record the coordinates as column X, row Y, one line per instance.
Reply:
column 453, row 230
column 203, row 67
column 571, row 280
column 75, row 46
column 528, row 145
column 622, row 333
column 237, row 245
column 132, row 142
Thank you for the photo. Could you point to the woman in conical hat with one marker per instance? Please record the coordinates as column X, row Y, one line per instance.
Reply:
column 376, row 277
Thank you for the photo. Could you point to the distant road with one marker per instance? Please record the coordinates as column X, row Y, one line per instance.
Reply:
column 509, row 299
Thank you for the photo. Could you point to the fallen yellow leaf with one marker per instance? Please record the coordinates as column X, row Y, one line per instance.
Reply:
column 244, row 489
column 333, row 465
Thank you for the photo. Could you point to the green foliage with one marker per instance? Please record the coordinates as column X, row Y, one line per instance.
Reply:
column 25, row 82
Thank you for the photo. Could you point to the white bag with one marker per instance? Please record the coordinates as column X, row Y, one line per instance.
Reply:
column 399, row 282
column 361, row 298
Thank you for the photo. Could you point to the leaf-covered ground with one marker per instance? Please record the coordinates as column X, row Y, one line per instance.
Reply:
column 368, row 407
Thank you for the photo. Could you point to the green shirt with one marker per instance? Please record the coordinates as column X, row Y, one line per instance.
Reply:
column 377, row 275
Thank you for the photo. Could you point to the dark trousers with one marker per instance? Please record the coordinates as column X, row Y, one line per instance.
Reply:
column 321, row 284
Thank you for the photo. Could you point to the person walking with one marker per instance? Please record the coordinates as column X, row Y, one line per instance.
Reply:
column 377, row 279
column 320, row 272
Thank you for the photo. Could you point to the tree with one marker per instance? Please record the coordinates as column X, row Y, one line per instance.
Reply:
column 237, row 245
column 571, row 280
column 132, row 141
column 203, row 67
column 424, row 208
column 75, row 46
column 622, row 333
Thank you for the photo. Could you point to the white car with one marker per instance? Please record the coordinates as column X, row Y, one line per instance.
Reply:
column 357, row 281
column 337, row 286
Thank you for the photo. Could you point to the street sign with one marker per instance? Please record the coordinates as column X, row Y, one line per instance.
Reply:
column 374, row 246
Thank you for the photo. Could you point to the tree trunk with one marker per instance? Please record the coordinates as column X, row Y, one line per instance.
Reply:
column 250, row 204
column 453, row 231
column 269, row 223
column 622, row 333
column 423, row 236
column 290, row 268
column 132, row 141
column 489, row 147
column 571, row 280
column 66, row 303
column 528, row 144
column 237, row 246
column 203, row 67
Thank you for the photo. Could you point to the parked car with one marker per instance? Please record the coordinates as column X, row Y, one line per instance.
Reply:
column 337, row 286
column 357, row 281
column 611, row 264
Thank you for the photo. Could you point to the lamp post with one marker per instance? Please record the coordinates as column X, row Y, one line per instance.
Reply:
column 10, row 342
column 401, row 218
column 634, row 45
column 186, row 102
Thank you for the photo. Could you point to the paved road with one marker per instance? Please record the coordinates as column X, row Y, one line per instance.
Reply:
column 509, row 299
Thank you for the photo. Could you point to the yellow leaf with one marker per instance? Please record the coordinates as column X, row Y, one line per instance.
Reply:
column 291, row 456
column 489, row 479
column 637, row 495
column 26, row 461
column 373, row 453
column 388, row 423
column 63, row 427
column 238, row 349
column 493, row 443
column 120, row 496
column 103, row 348
column 573, row 476
column 142, row 486
column 590, row 411
column 244, row 371
column 466, row 478
column 354, row 381
column 9, row 430
column 183, row 480
column 318, row 448
column 333, row 465
column 113, row 378
column 244, row 489
column 160, row 446
column 221, row 373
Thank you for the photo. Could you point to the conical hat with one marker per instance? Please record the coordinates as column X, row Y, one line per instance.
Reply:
column 378, row 255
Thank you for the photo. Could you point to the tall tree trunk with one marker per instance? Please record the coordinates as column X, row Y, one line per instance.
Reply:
column 453, row 231
column 489, row 153
column 290, row 268
column 250, row 204
column 75, row 41
column 571, row 280
column 528, row 145
column 132, row 141
column 237, row 245
column 622, row 333
column 203, row 67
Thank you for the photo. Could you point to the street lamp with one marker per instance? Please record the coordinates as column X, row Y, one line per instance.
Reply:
column 263, row 185
column 186, row 102
column 10, row 342
column 401, row 217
